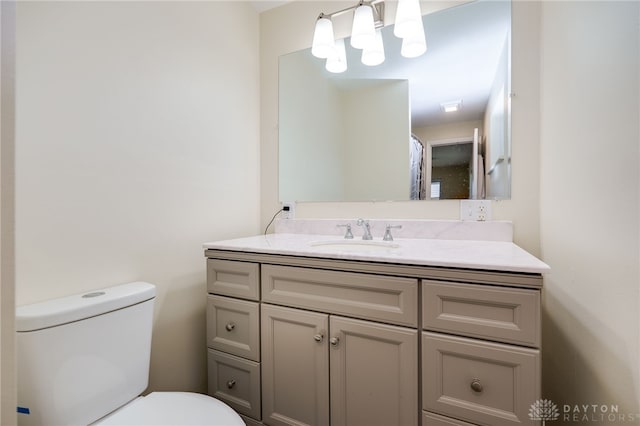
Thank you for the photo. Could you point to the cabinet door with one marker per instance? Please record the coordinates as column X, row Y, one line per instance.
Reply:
column 295, row 381
column 374, row 374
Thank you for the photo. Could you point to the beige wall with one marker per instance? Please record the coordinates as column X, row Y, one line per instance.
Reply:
column 137, row 141
column 7, row 209
column 590, row 213
column 372, row 138
column 290, row 28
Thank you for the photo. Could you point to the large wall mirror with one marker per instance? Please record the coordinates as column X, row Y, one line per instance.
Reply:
column 381, row 133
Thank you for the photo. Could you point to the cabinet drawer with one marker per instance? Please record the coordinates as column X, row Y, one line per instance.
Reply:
column 431, row 419
column 480, row 382
column 235, row 381
column 368, row 296
column 495, row 313
column 230, row 278
column 233, row 326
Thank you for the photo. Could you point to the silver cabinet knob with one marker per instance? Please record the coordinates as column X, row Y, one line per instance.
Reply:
column 231, row 384
column 230, row 326
column 476, row 386
column 334, row 341
column 318, row 337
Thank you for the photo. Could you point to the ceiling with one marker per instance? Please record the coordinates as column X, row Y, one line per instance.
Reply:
column 262, row 5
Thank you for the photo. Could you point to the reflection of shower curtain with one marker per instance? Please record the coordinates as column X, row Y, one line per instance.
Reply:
column 416, row 161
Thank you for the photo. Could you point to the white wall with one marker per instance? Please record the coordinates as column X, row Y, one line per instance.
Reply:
column 137, row 141
column 590, row 196
column 289, row 28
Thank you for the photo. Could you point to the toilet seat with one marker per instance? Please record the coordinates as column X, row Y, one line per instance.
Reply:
column 173, row 408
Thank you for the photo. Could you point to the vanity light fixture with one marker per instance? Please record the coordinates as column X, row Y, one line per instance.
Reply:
column 363, row 31
column 323, row 44
column 410, row 29
column 368, row 19
column 452, row 106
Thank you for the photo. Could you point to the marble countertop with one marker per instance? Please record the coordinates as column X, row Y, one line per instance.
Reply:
column 469, row 254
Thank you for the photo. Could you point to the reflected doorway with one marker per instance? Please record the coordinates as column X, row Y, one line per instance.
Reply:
column 453, row 168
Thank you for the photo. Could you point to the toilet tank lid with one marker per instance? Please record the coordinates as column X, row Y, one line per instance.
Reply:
column 64, row 310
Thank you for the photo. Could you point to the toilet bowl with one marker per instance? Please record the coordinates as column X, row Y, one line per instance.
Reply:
column 173, row 408
column 84, row 360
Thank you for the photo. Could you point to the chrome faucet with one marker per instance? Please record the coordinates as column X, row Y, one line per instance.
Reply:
column 366, row 227
column 348, row 235
column 387, row 233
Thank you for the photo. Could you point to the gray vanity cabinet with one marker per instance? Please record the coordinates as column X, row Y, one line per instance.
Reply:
column 318, row 367
column 233, row 334
column 313, row 341
column 323, row 367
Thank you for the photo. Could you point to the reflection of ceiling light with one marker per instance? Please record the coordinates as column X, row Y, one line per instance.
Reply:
column 374, row 55
column 337, row 62
column 451, row 106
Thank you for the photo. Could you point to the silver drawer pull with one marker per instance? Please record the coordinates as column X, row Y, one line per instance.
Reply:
column 230, row 326
column 231, row 384
column 318, row 337
column 334, row 341
column 476, row 386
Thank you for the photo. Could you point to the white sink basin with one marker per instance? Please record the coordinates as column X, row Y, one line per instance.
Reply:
column 354, row 245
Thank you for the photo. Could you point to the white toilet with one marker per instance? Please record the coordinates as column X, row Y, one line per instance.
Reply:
column 84, row 359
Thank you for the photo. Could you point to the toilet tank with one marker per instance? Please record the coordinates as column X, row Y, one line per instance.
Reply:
column 83, row 356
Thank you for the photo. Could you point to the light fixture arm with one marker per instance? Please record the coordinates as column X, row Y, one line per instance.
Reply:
column 376, row 5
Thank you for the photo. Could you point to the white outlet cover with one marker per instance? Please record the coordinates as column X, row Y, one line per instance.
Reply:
column 475, row 210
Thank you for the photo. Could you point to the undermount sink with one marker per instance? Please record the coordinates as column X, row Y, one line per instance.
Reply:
column 355, row 245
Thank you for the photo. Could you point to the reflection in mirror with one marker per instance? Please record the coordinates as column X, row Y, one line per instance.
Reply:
column 382, row 133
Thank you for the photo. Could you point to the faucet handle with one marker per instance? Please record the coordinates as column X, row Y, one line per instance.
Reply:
column 348, row 235
column 387, row 232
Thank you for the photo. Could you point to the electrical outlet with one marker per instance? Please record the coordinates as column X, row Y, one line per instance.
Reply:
column 289, row 210
column 477, row 210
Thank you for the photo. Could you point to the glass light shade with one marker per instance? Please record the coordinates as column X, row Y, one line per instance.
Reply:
column 408, row 19
column 374, row 55
column 412, row 47
column 323, row 44
column 363, row 31
column 337, row 62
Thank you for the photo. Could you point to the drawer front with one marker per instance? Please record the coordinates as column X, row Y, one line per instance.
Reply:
column 431, row 419
column 495, row 313
column 231, row 278
column 233, row 326
column 479, row 382
column 235, row 381
column 367, row 296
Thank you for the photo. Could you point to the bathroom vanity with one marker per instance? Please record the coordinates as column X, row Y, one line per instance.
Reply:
column 313, row 329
